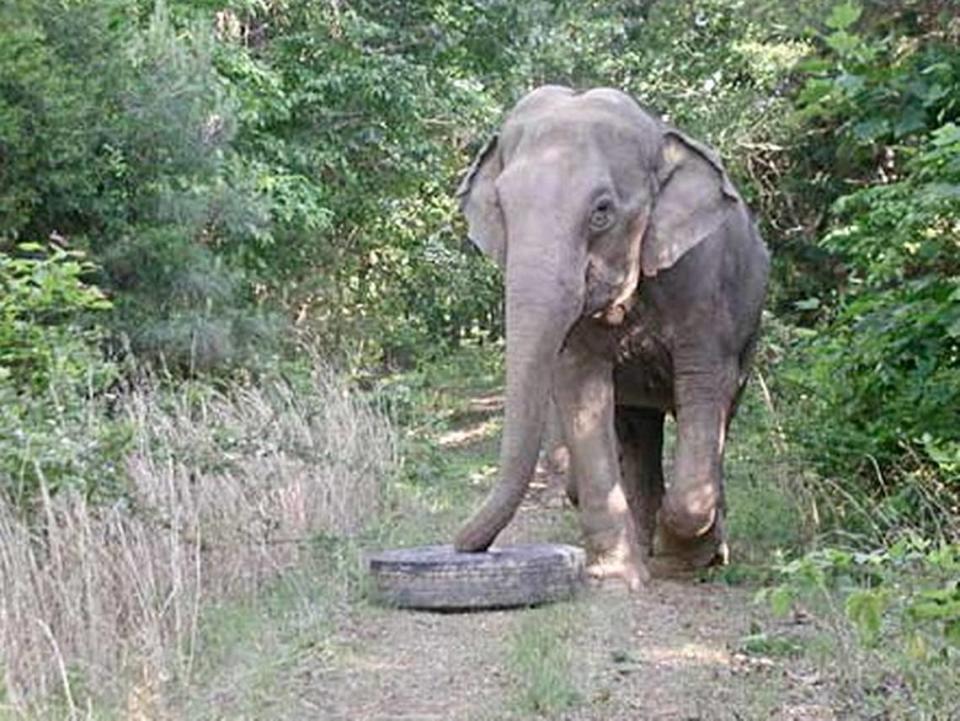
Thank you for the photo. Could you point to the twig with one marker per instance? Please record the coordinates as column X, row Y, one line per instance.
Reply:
column 195, row 620
column 768, row 400
column 760, row 146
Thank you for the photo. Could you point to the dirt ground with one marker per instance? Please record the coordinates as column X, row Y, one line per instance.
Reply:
column 672, row 651
column 669, row 652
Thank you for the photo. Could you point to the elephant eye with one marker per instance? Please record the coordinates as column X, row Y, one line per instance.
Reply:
column 602, row 216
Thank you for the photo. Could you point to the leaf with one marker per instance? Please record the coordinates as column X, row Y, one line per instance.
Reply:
column 865, row 608
column 934, row 94
column 946, row 134
column 807, row 304
column 814, row 65
column 780, row 600
column 872, row 128
column 842, row 42
column 844, row 15
column 937, row 604
column 911, row 119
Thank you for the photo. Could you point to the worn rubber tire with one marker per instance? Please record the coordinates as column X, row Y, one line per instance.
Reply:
column 440, row 578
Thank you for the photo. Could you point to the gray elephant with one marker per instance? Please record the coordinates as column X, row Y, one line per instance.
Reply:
column 634, row 285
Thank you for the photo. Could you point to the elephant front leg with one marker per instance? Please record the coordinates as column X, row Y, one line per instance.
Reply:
column 691, row 518
column 585, row 398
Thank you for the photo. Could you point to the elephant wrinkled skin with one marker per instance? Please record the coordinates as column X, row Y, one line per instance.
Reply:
column 634, row 285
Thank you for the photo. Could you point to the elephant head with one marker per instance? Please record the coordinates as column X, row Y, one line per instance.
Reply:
column 578, row 198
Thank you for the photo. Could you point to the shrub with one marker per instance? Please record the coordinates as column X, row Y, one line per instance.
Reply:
column 878, row 378
column 43, row 329
column 53, row 379
column 892, row 614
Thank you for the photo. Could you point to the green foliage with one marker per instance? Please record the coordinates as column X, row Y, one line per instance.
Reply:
column 890, row 328
column 876, row 86
column 351, row 126
column 66, row 439
column 118, row 133
column 899, row 605
column 908, row 590
column 54, row 383
column 43, row 302
column 877, row 79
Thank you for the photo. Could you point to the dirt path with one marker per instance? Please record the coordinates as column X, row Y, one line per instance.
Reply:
column 670, row 652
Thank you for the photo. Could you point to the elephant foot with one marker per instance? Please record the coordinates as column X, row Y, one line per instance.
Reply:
column 626, row 566
column 677, row 557
column 634, row 576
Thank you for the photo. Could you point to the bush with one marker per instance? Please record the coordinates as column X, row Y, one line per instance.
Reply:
column 118, row 136
column 44, row 331
column 54, row 382
column 879, row 378
column 891, row 614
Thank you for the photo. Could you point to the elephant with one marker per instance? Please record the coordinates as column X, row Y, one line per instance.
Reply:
column 634, row 283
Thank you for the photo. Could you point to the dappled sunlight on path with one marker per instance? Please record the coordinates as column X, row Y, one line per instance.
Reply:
column 413, row 665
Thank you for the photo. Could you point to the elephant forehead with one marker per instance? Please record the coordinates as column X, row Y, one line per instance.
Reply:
column 584, row 124
column 582, row 154
column 554, row 99
column 553, row 179
column 575, row 129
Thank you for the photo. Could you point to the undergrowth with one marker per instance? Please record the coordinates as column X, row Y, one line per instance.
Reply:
column 891, row 617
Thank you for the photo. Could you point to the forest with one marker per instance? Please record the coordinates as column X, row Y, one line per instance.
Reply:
column 240, row 318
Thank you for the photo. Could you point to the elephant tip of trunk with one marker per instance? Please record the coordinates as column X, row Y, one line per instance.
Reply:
column 471, row 540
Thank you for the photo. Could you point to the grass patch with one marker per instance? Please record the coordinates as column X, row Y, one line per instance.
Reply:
column 227, row 492
column 251, row 649
column 539, row 657
column 773, row 645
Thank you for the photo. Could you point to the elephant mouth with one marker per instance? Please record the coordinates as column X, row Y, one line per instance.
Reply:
column 604, row 302
column 609, row 301
column 612, row 315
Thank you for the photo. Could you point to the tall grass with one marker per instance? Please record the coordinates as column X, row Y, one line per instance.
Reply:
column 224, row 490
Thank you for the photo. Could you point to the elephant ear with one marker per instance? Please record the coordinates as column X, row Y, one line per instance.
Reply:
column 695, row 194
column 478, row 201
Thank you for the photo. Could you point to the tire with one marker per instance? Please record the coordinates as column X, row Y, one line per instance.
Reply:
column 439, row 578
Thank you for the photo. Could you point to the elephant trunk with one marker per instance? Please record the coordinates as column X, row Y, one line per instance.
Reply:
column 541, row 307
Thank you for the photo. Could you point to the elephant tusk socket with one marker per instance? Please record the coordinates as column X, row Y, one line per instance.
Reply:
column 616, row 314
column 613, row 315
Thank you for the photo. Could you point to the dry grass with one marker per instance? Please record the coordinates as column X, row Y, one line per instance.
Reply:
column 105, row 601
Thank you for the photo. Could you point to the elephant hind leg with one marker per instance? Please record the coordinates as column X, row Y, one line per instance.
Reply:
column 640, row 432
column 555, row 453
